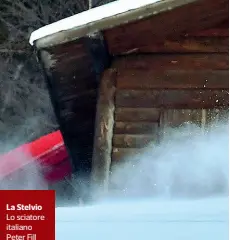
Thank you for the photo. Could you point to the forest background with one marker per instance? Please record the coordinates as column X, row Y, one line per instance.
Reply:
column 25, row 107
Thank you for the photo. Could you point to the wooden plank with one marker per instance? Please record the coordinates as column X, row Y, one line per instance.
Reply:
column 172, row 98
column 79, row 100
column 137, row 114
column 189, row 18
column 206, row 119
column 221, row 30
column 173, row 118
column 102, row 151
column 217, row 32
column 133, row 140
column 160, row 62
column 124, row 154
column 187, row 45
column 172, row 79
column 217, row 116
column 178, row 117
column 135, row 128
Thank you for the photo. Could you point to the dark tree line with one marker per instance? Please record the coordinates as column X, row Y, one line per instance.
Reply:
column 25, row 109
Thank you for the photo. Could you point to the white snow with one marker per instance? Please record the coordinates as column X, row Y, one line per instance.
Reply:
column 148, row 219
column 87, row 21
column 89, row 16
column 197, row 164
column 48, row 60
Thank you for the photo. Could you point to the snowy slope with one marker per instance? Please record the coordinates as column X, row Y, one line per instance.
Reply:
column 154, row 220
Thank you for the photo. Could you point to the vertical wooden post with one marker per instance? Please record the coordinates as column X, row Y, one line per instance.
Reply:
column 103, row 135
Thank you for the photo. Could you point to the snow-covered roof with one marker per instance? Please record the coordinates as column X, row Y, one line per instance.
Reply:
column 100, row 18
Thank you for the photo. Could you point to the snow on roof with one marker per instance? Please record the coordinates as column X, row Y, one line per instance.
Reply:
column 100, row 18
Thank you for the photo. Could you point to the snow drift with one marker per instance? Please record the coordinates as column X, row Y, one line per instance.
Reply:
column 189, row 162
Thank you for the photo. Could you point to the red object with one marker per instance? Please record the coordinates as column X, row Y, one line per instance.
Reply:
column 48, row 152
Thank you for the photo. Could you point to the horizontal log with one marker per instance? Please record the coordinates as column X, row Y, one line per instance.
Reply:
column 137, row 114
column 216, row 116
column 193, row 17
column 218, row 61
column 172, row 79
column 221, row 29
column 188, row 45
column 213, row 32
column 172, row 98
column 178, row 117
column 125, row 154
column 135, row 128
column 133, row 141
column 201, row 117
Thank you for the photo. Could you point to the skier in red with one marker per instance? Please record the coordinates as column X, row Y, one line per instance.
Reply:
column 48, row 153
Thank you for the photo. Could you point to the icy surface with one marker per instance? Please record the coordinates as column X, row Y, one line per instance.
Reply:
column 148, row 219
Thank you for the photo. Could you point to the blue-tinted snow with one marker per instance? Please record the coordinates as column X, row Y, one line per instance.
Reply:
column 191, row 164
column 151, row 219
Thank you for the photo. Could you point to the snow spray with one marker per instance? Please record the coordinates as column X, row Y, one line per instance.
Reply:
column 189, row 163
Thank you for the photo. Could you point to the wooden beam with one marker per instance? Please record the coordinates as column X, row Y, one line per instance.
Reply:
column 103, row 134
column 187, row 45
column 215, row 116
column 221, row 30
column 215, row 32
column 134, row 114
column 135, row 128
column 172, row 99
column 204, row 118
column 177, row 117
column 161, row 62
column 121, row 154
column 172, row 79
column 79, row 100
column 133, row 140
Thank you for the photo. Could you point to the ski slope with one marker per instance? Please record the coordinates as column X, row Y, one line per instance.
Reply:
column 204, row 219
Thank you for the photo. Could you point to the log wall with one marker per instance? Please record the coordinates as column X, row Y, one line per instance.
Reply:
column 156, row 86
column 177, row 81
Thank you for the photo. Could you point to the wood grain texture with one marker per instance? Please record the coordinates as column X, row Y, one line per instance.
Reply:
column 125, row 154
column 172, row 79
column 137, row 114
column 104, row 132
column 206, row 119
column 133, row 141
column 213, row 32
column 216, row 116
column 161, row 62
column 187, row 45
column 172, row 99
column 70, row 79
column 221, row 30
column 178, row 117
column 193, row 17
column 135, row 128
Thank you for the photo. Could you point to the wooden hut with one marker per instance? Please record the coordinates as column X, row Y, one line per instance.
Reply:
column 119, row 73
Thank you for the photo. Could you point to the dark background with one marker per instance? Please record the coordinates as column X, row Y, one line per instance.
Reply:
column 25, row 109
